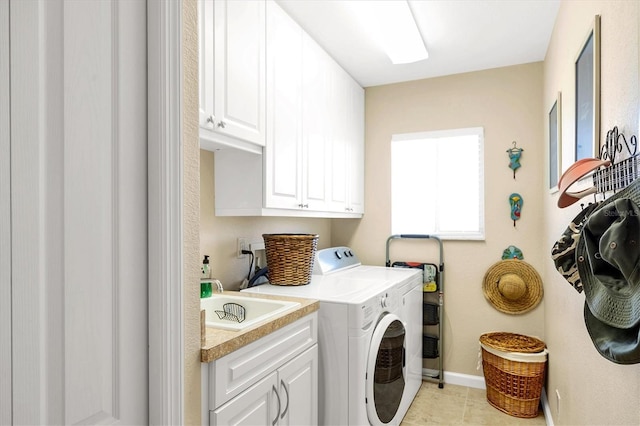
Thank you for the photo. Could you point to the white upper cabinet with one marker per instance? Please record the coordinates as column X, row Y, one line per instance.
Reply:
column 345, row 127
column 312, row 163
column 232, row 74
column 297, row 152
column 316, row 116
column 283, row 155
column 355, row 148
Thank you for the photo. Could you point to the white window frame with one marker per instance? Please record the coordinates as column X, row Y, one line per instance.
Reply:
column 478, row 131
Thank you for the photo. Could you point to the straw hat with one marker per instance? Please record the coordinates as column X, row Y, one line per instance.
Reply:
column 512, row 286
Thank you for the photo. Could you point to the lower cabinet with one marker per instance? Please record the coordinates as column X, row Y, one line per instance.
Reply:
column 272, row 381
column 287, row 396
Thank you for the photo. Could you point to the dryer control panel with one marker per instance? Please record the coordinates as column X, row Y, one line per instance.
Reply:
column 329, row 260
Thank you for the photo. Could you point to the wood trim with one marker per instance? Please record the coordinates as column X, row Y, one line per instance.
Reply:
column 166, row 336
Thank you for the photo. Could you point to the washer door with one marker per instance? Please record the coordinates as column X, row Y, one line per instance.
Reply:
column 386, row 370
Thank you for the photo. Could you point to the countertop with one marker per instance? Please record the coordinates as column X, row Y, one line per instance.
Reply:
column 219, row 343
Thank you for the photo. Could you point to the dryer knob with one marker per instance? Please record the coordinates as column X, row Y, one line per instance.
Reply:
column 338, row 255
column 383, row 301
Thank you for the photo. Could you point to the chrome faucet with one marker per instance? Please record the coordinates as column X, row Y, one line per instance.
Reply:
column 218, row 285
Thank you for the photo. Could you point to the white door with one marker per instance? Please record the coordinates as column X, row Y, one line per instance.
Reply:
column 298, row 389
column 255, row 406
column 78, row 185
column 5, row 221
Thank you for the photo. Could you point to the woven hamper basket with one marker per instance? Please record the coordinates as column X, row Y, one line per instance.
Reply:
column 514, row 368
column 290, row 257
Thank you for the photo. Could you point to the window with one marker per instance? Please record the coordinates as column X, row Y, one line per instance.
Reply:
column 437, row 184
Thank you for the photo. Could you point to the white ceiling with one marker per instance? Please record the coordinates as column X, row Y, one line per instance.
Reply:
column 460, row 36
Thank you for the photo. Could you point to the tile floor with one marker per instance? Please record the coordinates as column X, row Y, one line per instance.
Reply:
column 459, row 405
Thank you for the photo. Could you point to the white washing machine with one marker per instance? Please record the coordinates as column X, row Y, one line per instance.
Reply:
column 369, row 337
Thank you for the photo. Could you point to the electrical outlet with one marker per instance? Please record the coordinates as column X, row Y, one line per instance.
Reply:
column 243, row 244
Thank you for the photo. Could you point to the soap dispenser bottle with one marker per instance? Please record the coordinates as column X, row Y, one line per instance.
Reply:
column 205, row 282
column 206, row 272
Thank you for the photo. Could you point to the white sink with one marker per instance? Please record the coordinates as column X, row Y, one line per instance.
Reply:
column 254, row 310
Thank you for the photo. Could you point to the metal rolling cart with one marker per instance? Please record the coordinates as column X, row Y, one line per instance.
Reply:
column 432, row 306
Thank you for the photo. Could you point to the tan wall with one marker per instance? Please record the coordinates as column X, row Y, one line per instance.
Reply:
column 506, row 102
column 592, row 389
column 218, row 235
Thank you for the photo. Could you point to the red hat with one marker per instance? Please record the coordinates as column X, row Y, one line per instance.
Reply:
column 575, row 172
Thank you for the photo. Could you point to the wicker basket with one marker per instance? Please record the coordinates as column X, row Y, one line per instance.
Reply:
column 514, row 370
column 290, row 257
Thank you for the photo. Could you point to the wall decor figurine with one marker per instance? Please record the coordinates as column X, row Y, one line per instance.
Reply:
column 512, row 252
column 514, row 158
column 515, row 201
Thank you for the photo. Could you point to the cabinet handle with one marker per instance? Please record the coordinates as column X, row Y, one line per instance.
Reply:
column 273, row 423
column 303, row 206
column 210, row 119
column 286, row 408
column 221, row 124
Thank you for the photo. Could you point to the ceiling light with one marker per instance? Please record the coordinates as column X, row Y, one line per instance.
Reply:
column 392, row 25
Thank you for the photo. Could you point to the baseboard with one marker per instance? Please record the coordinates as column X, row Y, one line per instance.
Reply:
column 477, row 382
column 467, row 380
column 546, row 408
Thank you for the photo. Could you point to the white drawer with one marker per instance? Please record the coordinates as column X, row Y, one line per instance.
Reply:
column 231, row 374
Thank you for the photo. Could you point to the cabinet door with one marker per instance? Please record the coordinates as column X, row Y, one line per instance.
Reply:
column 258, row 405
column 298, row 389
column 315, row 123
column 338, row 133
column 283, row 155
column 346, row 130
column 355, row 148
column 232, row 68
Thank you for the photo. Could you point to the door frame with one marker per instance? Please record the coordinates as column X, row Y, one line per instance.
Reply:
column 5, row 222
column 165, row 162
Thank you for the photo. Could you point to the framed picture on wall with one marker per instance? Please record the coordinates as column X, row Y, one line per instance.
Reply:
column 555, row 143
column 587, row 85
